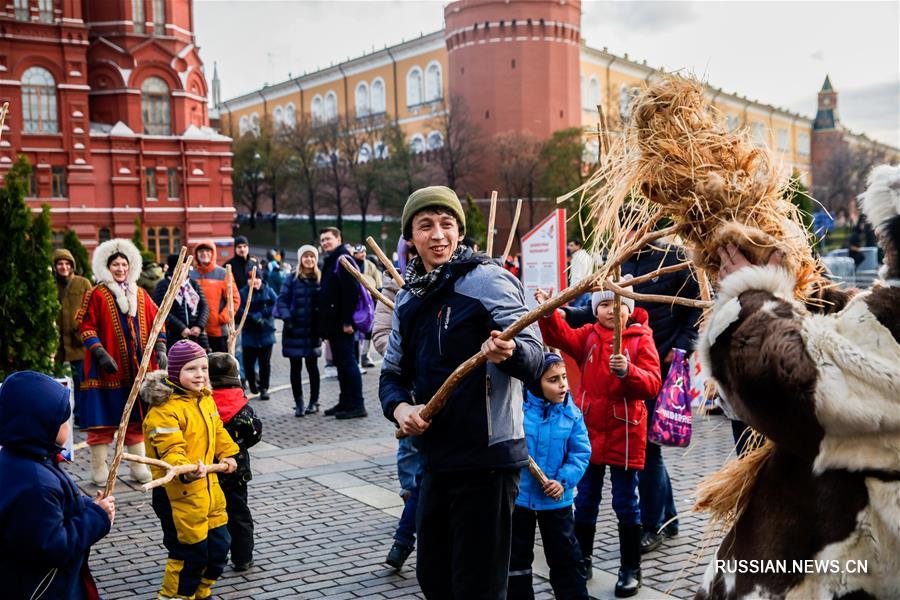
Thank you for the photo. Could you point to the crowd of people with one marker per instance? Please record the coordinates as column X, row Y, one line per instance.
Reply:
column 471, row 502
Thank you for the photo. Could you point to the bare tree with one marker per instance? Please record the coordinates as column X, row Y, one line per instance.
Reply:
column 462, row 144
column 247, row 175
column 306, row 173
column 843, row 175
column 519, row 154
column 359, row 143
column 334, row 180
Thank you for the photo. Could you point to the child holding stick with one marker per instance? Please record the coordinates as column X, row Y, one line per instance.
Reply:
column 611, row 397
column 183, row 427
column 558, row 442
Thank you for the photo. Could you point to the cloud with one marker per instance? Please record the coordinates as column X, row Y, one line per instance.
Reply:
column 817, row 55
column 646, row 17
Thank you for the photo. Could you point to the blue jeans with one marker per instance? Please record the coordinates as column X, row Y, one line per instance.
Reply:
column 624, row 495
column 409, row 472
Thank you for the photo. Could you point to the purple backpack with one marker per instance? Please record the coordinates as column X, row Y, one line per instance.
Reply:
column 671, row 424
column 364, row 313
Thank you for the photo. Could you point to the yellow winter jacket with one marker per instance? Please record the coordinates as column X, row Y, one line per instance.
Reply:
column 181, row 430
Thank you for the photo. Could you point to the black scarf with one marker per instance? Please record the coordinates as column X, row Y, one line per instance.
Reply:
column 419, row 281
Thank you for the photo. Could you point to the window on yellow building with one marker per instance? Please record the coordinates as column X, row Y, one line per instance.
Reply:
column 378, row 102
column 278, row 116
column 417, row 144
column 244, row 125
column 331, row 111
column 433, row 83
column 758, row 130
column 290, row 115
column 803, row 143
column 435, row 140
column 318, row 109
column 414, row 87
column 783, row 139
column 362, row 99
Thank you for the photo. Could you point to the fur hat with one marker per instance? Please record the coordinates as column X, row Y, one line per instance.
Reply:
column 223, row 371
column 303, row 250
column 181, row 353
column 602, row 295
column 99, row 262
column 154, row 389
column 63, row 254
column 434, row 197
column 881, row 204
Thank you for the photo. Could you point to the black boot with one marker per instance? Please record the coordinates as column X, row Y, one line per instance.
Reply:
column 313, row 407
column 298, row 407
column 398, row 555
column 584, row 533
column 630, row 557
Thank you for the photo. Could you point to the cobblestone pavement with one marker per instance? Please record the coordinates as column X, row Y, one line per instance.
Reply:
column 324, row 499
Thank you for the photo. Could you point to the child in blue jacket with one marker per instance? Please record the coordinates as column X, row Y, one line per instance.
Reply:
column 47, row 526
column 558, row 442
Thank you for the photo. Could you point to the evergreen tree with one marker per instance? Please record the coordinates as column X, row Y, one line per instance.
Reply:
column 798, row 195
column 475, row 225
column 28, row 303
column 82, row 261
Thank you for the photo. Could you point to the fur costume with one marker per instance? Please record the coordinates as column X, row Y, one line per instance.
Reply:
column 824, row 388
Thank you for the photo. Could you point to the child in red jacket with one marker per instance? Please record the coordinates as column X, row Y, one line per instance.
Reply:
column 611, row 397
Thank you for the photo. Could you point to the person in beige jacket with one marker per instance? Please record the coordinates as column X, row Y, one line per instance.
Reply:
column 70, row 289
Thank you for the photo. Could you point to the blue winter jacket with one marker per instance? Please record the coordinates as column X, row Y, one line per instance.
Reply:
column 558, row 442
column 47, row 526
column 480, row 427
column 259, row 329
column 298, row 306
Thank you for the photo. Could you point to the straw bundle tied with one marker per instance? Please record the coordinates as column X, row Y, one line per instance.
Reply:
column 677, row 159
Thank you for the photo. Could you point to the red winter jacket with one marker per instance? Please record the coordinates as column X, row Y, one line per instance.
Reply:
column 613, row 408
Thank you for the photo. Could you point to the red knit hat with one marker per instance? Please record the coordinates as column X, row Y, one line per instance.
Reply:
column 181, row 353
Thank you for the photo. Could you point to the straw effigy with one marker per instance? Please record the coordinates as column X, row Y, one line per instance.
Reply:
column 676, row 161
column 677, row 158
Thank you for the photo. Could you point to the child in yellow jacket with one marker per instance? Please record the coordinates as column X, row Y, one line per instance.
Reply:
column 183, row 427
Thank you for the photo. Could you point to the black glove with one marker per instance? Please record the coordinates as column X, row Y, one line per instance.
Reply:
column 103, row 359
column 162, row 359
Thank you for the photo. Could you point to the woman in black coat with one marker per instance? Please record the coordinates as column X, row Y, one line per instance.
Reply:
column 190, row 312
column 298, row 306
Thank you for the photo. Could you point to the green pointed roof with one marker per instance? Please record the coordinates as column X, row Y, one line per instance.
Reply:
column 826, row 87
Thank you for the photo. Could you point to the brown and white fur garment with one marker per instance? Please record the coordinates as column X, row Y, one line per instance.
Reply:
column 824, row 387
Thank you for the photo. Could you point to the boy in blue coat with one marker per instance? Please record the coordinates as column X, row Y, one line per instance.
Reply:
column 558, row 442
column 47, row 526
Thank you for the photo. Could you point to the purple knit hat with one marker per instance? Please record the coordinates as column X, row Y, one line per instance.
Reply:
column 181, row 353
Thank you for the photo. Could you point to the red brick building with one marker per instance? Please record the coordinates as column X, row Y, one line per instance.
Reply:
column 108, row 102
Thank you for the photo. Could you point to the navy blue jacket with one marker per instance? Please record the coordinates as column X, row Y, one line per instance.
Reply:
column 339, row 294
column 558, row 442
column 675, row 325
column 480, row 427
column 259, row 329
column 298, row 306
column 47, row 526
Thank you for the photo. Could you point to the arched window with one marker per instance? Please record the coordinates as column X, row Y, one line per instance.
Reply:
column 435, row 140
column 593, row 93
column 155, row 106
column 290, row 115
column 732, row 122
column 244, row 125
column 414, row 87
column 434, row 85
column 626, row 96
column 783, row 139
column 378, row 99
column 331, row 111
column 362, row 99
column 759, row 133
column 278, row 116
column 254, row 123
column 381, row 150
column 365, row 154
column 39, row 101
column 318, row 109
column 417, row 145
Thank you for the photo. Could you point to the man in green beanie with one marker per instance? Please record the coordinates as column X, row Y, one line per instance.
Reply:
column 455, row 303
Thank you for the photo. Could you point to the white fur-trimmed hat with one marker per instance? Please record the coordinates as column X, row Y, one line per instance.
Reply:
column 881, row 200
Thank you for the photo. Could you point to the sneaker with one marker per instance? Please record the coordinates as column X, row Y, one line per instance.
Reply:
column 243, row 566
column 354, row 413
column 367, row 363
column 330, row 372
column 650, row 541
column 398, row 555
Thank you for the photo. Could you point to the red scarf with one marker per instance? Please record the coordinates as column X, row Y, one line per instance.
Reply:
column 229, row 401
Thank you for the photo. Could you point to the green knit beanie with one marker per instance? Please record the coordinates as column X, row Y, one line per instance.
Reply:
column 435, row 196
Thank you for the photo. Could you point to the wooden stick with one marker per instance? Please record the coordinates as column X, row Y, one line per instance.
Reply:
column 182, row 269
column 536, row 472
column 648, row 276
column 373, row 245
column 512, row 229
column 229, row 282
column 440, row 397
column 233, row 335
column 703, row 284
column 617, row 323
column 492, row 216
column 659, row 298
column 171, row 472
column 347, row 264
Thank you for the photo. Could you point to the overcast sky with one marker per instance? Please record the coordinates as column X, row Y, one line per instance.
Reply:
column 777, row 52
